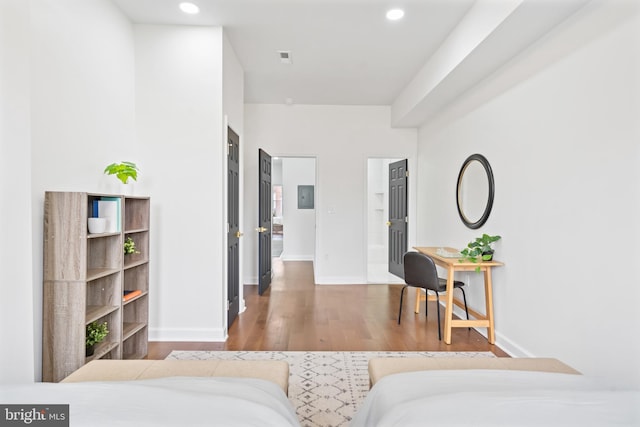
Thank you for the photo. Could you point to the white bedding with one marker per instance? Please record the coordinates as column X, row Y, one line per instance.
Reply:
column 174, row 401
column 495, row 398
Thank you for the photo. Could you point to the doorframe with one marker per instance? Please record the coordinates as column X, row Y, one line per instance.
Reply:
column 411, row 210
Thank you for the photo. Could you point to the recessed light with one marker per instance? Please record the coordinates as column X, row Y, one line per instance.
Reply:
column 189, row 8
column 395, row 14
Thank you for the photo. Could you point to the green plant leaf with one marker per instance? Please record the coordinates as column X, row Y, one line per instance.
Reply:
column 123, row 171
column 475, row 250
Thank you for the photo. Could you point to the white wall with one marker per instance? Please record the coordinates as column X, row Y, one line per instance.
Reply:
column 83, row 95
column 232, row 87
column 179, row 110
column 82, row 108
column 560, row 128
column 16, row 282
column 341, row 138
column 233, row 111
column 299, row 224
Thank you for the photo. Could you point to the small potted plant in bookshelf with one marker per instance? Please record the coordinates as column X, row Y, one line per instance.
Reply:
column 96, row 333
column 123, row 171
column 130, row 246
column 480, row 249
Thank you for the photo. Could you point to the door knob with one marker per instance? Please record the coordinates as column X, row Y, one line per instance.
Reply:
column 261, row 229
column 388, row 223
column 239, row 234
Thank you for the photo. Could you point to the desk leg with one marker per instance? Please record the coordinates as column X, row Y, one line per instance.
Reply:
column 488, row 298
column 418, row 299
column 448, row 316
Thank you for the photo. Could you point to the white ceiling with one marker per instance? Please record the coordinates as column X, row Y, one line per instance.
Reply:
column 345, row 52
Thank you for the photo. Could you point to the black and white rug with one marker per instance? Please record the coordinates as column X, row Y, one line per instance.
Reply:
column 325, row 387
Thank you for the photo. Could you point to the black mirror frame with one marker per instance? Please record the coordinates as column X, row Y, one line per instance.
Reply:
column 487, row 167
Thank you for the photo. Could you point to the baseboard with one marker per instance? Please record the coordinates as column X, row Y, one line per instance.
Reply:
column 511, row 348
column 294, row 257
column 340, row 280
column 187, row 335
column 386, row 281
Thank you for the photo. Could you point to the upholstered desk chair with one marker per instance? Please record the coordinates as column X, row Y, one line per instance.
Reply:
column 420, row 272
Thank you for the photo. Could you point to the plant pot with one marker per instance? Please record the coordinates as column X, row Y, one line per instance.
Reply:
column 89, row 350
column 487, row 253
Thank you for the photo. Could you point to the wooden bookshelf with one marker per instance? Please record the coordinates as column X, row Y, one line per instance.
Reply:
column 85, row 276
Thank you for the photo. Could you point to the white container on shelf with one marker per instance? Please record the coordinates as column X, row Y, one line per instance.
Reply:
column 97, row 225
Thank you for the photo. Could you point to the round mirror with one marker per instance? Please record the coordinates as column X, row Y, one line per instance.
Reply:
column 474, row 193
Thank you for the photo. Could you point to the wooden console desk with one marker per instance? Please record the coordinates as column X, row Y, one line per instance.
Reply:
column 452, row 265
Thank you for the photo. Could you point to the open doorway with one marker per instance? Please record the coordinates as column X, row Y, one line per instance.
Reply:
column 277, row 231
column 293, row 208
column 377, row 217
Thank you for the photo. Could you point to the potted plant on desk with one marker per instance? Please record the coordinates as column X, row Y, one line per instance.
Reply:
column 480, row 249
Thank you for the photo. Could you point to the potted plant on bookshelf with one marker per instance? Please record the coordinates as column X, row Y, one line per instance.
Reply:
column 480, row 249
column 123, row 171
column 130, row 246
column 96, row 333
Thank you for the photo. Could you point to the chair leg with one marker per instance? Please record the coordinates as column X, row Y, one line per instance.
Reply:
column 438, row 311
column 426, row 302
column 401, row 297
column 464, row 298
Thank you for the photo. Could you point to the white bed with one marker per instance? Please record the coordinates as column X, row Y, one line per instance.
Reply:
column 495, row 398
column 172, row 401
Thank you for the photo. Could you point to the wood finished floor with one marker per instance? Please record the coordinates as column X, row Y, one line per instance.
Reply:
column 297, row 315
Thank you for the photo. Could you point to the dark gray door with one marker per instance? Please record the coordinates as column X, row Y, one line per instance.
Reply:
column 233, row 234
column 264, row 221
column 397, row 216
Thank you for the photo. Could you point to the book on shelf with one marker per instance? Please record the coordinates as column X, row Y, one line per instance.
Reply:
column 127, row 295
column 110, row 208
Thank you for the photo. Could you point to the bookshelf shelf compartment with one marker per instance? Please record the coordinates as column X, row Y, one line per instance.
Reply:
column 103, row 253
column 129, row 301
column 136, row 213
column 137, row 277
column 95, row 312
column 141, row 240
column 135, row 264
column 85, row 276
column 131, row 328
column 101, row 235
column 96, row 273
column 139, row 230
column 102, row 350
